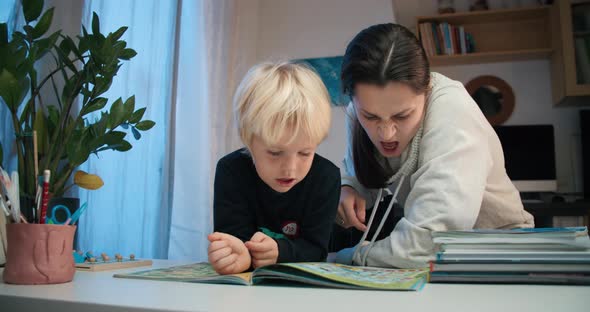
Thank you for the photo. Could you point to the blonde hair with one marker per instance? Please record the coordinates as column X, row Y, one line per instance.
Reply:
column 284, row 96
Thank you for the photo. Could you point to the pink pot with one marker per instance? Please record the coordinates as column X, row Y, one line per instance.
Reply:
column 39, row 254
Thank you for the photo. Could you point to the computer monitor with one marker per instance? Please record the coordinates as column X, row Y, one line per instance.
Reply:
column 529, row 155
column 585, row 136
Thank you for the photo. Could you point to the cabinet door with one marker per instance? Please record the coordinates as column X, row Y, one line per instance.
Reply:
column 570, row 60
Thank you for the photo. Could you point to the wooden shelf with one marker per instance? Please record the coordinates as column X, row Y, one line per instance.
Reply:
column 500, row 35
column 489, row 57
column 489, row 16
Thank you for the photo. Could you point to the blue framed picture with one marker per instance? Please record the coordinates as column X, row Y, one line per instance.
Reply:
column 329, row 70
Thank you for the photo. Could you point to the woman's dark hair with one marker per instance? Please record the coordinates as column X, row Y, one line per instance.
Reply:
column 378, row 55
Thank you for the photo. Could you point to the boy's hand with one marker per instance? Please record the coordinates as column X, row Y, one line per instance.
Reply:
column 227, row 254
column 264, row 250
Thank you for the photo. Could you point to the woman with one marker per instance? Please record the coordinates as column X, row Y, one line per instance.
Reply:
column 418, row 136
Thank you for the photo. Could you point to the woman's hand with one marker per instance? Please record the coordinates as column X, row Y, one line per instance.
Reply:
column 351, row 210
column 227, row 254
column 263, row 248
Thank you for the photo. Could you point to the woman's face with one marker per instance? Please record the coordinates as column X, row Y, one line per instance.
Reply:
column 390, row 115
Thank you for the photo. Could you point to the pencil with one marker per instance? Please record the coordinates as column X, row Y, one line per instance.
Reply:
column 35, row 156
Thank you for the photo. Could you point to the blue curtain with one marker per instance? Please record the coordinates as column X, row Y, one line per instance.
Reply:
column 8, row 14
column 131, row 212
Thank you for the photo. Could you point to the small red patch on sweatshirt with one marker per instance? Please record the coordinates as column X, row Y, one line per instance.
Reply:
column 290, row 229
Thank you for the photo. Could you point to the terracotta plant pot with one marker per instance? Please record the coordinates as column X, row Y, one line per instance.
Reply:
column 39, row 254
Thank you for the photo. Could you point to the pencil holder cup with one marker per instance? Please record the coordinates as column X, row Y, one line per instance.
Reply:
column 39, row 254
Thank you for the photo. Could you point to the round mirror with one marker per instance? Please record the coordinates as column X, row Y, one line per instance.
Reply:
column 494, row 97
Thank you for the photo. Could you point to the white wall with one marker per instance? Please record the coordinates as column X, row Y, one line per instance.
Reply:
column 289, row 29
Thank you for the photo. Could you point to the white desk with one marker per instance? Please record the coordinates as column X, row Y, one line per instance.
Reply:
column 90, row 292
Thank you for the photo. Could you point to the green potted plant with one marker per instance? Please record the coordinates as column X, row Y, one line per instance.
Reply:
column 73, row 123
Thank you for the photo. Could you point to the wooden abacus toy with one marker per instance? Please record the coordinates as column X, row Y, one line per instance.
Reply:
column 88, row 262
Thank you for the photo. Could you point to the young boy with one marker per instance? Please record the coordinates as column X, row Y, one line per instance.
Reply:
column 275, row 200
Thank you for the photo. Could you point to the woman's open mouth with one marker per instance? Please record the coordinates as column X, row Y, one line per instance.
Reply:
column 390, row 147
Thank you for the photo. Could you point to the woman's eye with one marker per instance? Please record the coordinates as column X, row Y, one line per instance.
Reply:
column 402, row 117
column 273, row 153
column 371, row 118
column 305, row 154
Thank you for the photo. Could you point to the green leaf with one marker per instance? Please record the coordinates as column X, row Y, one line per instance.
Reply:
column 12, row 90
column 41, row 128
column 26, row 112
column 43, row 24
column 94, row 105
column 77, row 152
column 117, row 34
column 62, row 53
column 7, row 83
column 44, row 45
column 71, row 88
column 128, row 107
column 136, row 134
column 145, row 125
column 113, row 137
column 127, row 54
column 102, row 86
column 67, row 45
column 116, row 114
column 32, row 9
column 95, row 24
column 52, row 115
column 137, row 115
column 29, row 30
column 123, row 146
column 3, row 34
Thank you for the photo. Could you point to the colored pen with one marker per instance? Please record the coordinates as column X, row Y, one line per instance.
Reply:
column 77, row 214
column 44, row 196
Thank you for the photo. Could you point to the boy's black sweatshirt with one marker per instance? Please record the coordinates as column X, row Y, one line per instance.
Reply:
column 243, row 204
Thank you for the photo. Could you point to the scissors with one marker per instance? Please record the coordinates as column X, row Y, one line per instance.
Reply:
column 61, row 214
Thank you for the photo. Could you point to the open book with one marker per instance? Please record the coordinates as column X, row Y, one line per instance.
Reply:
column 312, row 273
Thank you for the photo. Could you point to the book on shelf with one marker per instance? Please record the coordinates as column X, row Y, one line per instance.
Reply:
column 444, row 39
column 311, row 273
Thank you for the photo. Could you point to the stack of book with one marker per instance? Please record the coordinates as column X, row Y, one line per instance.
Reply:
column 445, row 39
column 536, row 256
